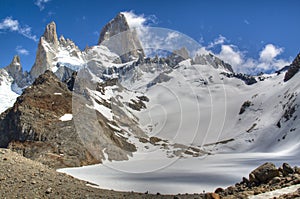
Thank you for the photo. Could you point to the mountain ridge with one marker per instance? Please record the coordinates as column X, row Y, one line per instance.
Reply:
column 135, row 77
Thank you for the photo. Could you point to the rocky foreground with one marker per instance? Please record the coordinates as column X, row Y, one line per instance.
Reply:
column 24, row 178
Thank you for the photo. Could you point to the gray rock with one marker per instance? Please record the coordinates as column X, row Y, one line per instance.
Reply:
column 264, row 173
column 125, row 40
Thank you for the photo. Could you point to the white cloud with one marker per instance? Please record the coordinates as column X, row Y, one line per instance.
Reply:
column 41, row 3
column 12, row 25
column 231, row 55
column 22, row 51
column 9, row 24
column 267, row 61
column 220, row 40
column 269, row 53
column 133, row 20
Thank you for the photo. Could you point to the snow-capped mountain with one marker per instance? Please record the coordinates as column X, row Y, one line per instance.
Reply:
column 127, row 104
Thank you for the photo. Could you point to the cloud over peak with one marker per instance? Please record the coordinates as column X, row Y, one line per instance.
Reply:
column 267, row 61
column 269, row 53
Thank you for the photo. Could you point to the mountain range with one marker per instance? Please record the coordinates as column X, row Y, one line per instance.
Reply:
column 85, row 107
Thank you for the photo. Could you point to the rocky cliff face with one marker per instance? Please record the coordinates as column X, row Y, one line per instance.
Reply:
column 36, row 128
column 293, row 69
column 33, row 127
column 125, row 41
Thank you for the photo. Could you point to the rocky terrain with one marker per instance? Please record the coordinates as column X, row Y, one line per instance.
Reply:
column 265, row 178
column 25, row 178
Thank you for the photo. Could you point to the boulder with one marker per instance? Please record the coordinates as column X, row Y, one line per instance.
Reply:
column 264, row 173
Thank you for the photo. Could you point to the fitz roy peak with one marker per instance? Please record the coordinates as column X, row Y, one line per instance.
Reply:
column 125, row 40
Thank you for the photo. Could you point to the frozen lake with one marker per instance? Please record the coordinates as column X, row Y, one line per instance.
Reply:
column 172, row 176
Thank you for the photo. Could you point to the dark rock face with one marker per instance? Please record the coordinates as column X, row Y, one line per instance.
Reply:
column 248, row 79
column 125, row 41
column 293, row 69
column 33, row 127
column 244, row 106
column 264, row 173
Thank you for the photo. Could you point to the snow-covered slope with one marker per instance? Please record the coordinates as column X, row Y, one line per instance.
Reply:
column 7, row 95
column 200, row 106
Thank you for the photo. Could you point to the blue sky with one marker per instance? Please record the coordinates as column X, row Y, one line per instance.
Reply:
column 245, row 33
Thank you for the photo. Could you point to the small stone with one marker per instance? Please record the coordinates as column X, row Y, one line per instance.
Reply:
column 176, row 197
column 33, row 182
column 24, row 180
column 49, row 190
column 4, row 158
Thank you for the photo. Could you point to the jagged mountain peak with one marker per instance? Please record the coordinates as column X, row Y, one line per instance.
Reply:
column 50, row 34
column 47, row 48
column 15, row 66
column 113, row 27
column 212, row 60
column 53, row 53
column 14, row 69
column 16, row 59
column 125, row 43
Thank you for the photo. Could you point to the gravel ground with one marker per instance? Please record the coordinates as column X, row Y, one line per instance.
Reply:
column 23, row 178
